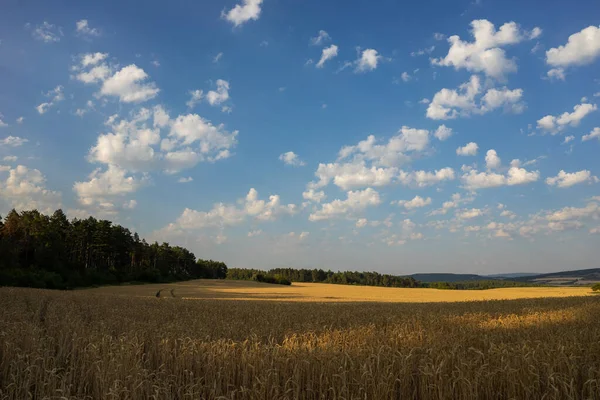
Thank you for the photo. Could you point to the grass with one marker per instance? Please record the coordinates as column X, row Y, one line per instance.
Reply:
column 123, row 342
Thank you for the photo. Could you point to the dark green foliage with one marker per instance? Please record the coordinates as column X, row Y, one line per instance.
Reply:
column 596, row 287
column 52, row 252
column 280, row 275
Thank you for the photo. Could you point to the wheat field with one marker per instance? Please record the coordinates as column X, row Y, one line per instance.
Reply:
column 322, row 292
column 124, row 343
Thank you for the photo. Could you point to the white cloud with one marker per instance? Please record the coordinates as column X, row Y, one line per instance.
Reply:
column 254, row 233
column 555, row 124
column 291, row 158
column 367, row 61
column 2, row 123
column 320, row 39
column 313, row 195
column 128, row 85
column 557, row 74
column 303, row 235
column 361, row 222
column 222, row 215
column 426, row 178
column 196, row 96
column 356, row 201
column 130, row 205
column 152, row 140
column 470, row 149
column 13, row 141
column 24, row 189
column 104, row 186
column 416, row 202
column 424, row 101
column 451, row 103
column 47, row 33
column 582, row 48
column 353, row 175
column 90, row 59
column 566, row 179
column 485, row 53
column 185, row 180
column 591, row 210
column 218, row 57
column 570, row 138
column 83, row 28
column 219, row 96
column 492, row 161
column 443, row 132
column 422, row 52
column 10, row 158
column 20, row 120
column 405, row 76
column 470, row 214
column 328, row 53
column 57, row 96
column 456, row 201
column 248, row 10
column 474, row 180
column 394, row 152
column 594, row 134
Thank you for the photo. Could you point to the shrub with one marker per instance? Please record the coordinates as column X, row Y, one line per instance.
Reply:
column 596, row 287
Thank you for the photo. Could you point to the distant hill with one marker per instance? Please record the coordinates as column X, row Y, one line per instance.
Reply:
column 442, row 277
column 565, row 278
column 513, row 275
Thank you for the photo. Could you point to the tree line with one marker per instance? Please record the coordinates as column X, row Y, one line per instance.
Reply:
column 281, row 275
column 42, row 251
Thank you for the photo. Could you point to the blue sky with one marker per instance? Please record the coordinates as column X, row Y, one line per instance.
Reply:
column 437, row 136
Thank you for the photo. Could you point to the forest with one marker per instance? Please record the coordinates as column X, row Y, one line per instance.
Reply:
column 42, row 251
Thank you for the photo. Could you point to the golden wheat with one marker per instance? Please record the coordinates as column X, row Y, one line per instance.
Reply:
column 94, row 345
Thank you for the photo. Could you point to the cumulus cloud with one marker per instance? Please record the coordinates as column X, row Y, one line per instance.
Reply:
column 185, row 179
column 555, row 124
column 222, row 215
column 216, row 97
column 328, row 54
column 13, row 141
column 24, row 189
column 470, row 149
column 83, row 28
column 426, row 178
column 321, row 38
column 416, row 202
column 356, row 201
column 566, row 179
column 470, row 99
column 582, row 48
column 473, row 179
column 469, row 214
column 242, row 13
column 492, row 161
column 47, row 33
column 195, row 97
column 56, row 95
column 485, row 54
column 129, row 85
column 594, row 134
column 102, row 187
column 152, row 140
column 291, row 158
column 392, row 153
column 361, row 222
column 312, row 195
column 443, row 132
column 454, row 202
column 368, row 61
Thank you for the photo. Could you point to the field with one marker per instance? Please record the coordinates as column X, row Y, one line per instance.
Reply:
column 320, row 292
column 205, row 340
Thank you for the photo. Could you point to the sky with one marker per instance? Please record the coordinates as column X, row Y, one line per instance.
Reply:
column 432, row 136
